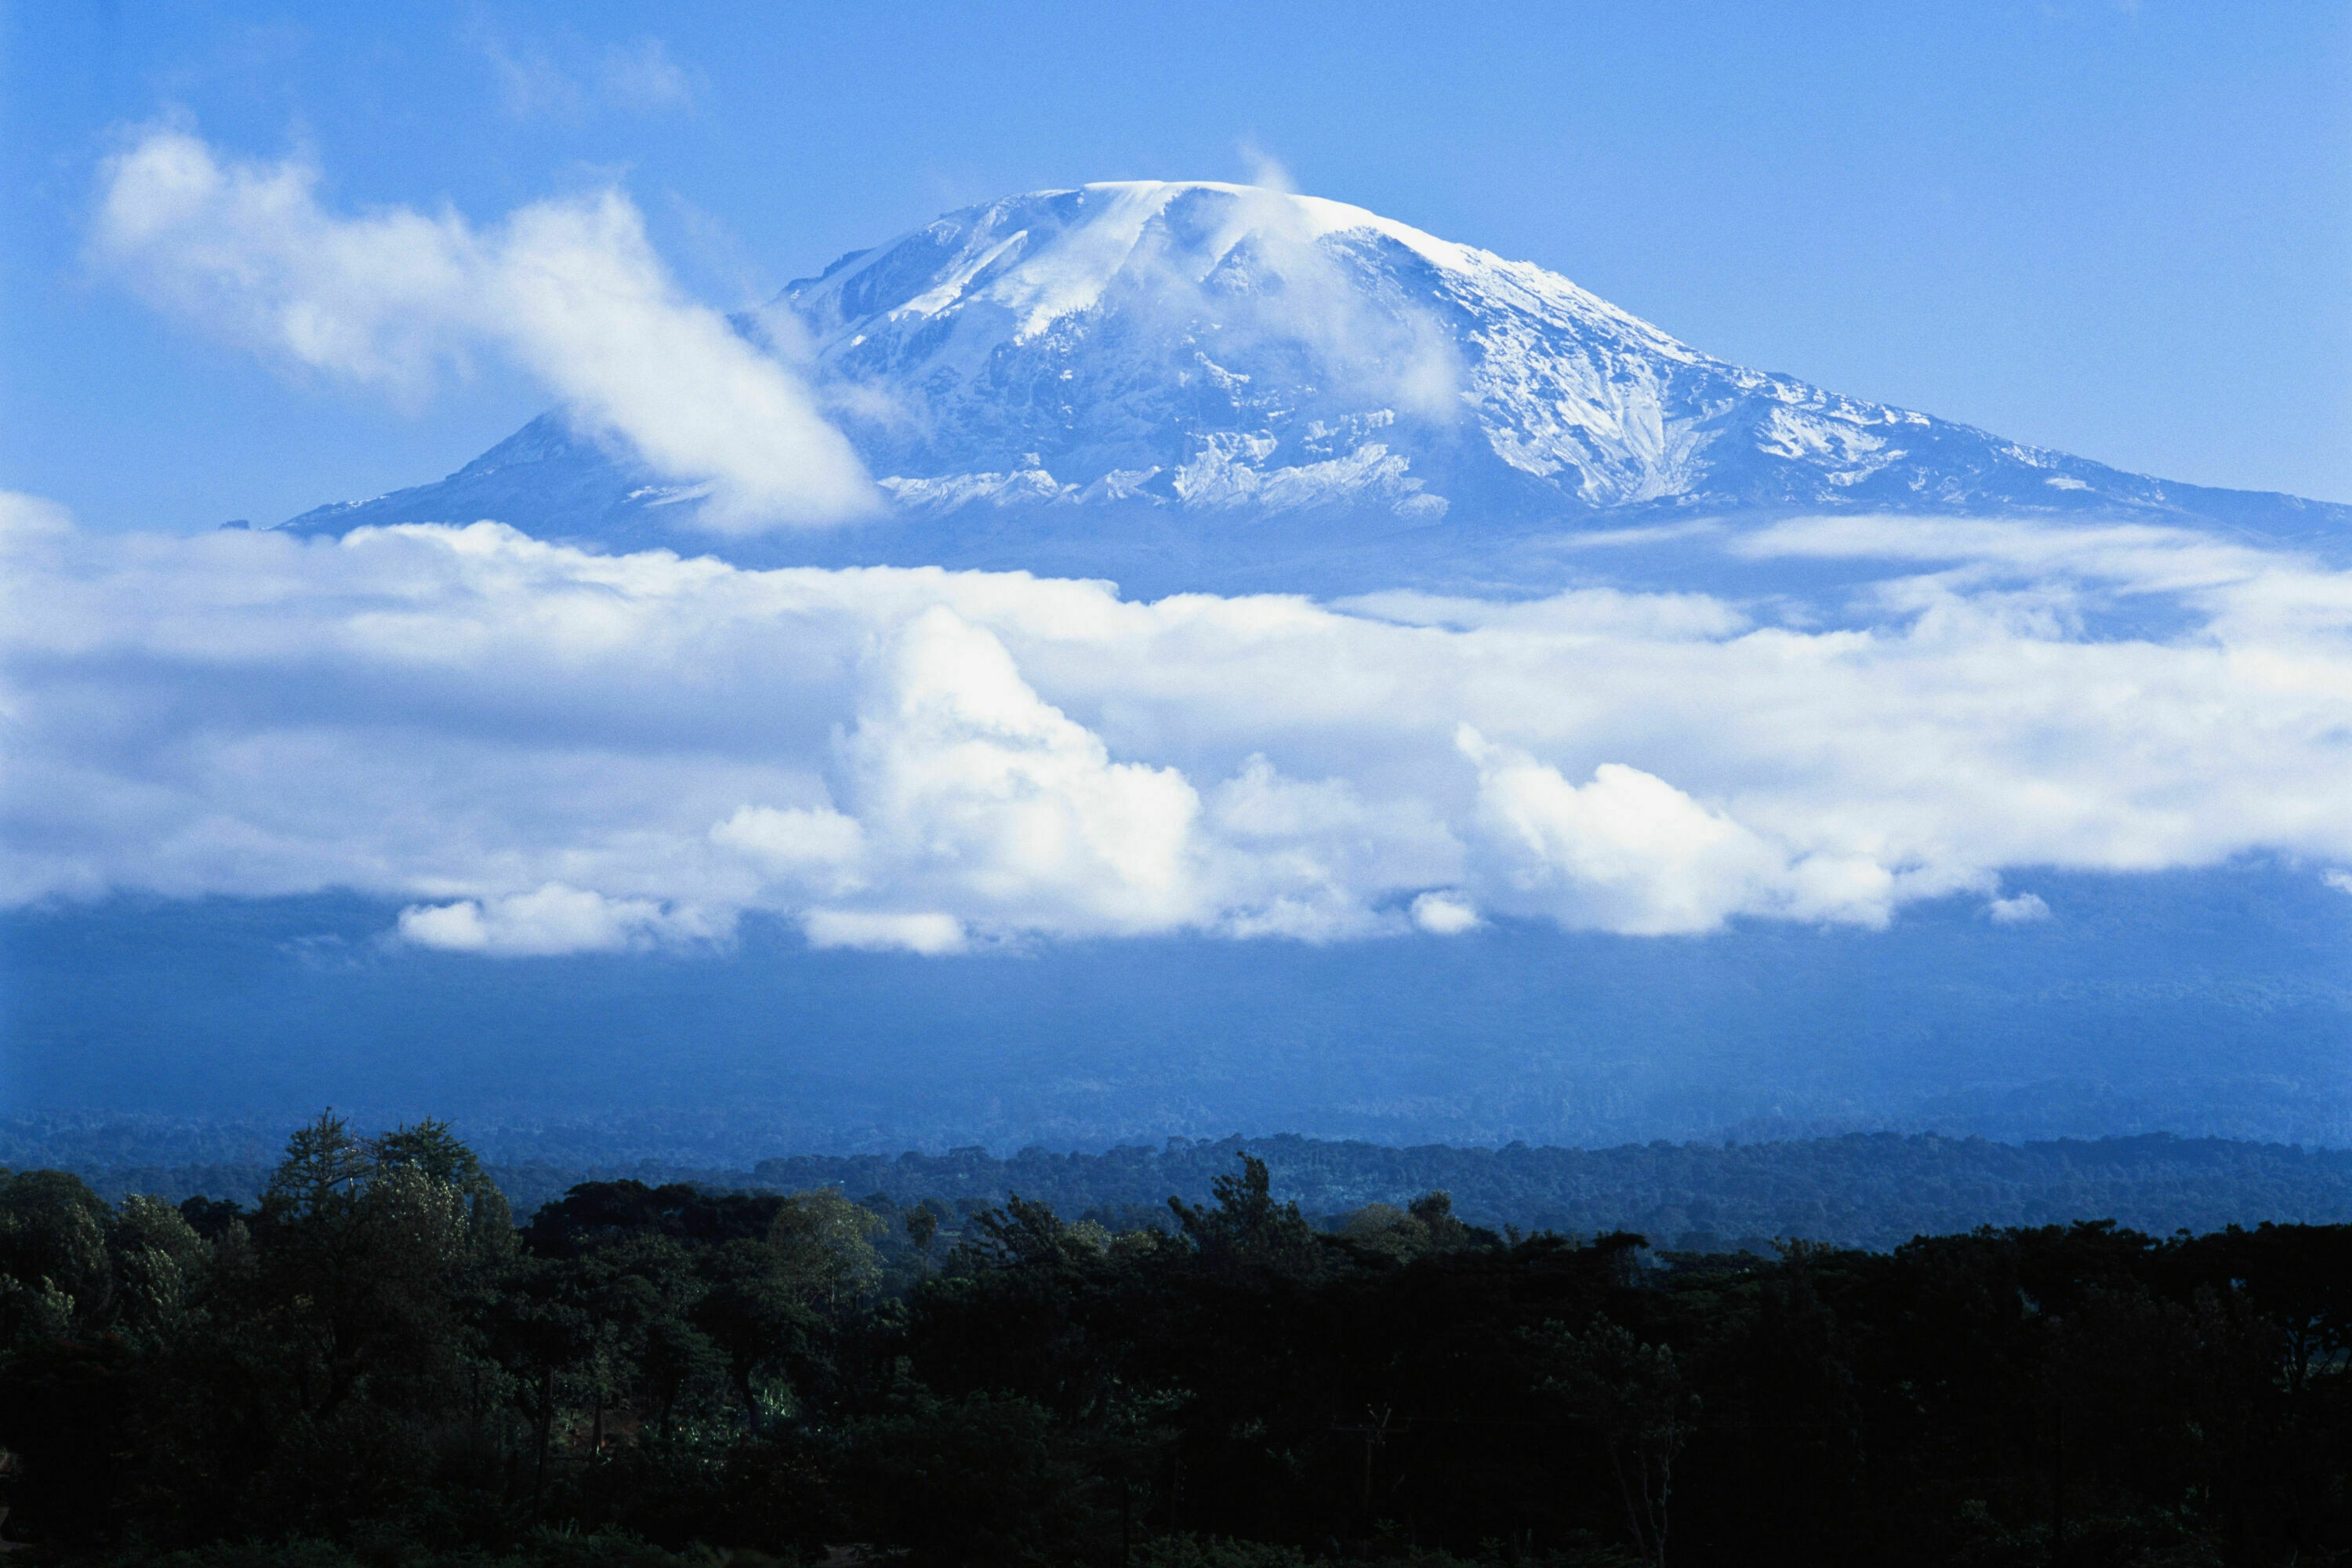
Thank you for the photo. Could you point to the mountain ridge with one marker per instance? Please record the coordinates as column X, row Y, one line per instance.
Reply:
column 1219, row 385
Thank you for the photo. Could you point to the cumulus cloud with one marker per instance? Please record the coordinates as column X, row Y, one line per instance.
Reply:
column 1630, row 852
column 572, row 290
column 1443, row 914
column 1294, row 856
column 962, row 772
column 2023, row 910
column 537, row 750
column 930, row 934
column 555, row 919
column 819, row 848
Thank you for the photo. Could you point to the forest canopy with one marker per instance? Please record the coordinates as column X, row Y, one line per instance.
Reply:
column 1873, row 1190
column 372, row 1362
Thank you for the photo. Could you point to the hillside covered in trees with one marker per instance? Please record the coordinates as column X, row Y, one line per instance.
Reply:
column 1872, row 1190
column 374, row 1365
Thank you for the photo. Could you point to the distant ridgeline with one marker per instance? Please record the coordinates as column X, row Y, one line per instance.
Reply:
column 1863, row 1190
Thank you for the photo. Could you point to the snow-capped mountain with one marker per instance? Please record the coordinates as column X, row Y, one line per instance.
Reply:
column 1215, row 385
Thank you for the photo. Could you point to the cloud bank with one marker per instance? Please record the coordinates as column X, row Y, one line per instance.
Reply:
column 537, row 750
column 572, row 290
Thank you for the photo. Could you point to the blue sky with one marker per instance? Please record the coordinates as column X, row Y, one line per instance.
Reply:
column 2116, row 230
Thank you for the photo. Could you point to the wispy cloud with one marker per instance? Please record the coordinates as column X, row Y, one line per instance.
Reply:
column 642, row 75
column 572, row 290
column 564, row 79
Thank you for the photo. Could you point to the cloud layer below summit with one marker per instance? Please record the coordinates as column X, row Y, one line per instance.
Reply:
column 541, row 751
column 570, row 291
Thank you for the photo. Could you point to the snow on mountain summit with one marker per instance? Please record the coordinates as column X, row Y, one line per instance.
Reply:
column 1054, row 254
column 1063, row 378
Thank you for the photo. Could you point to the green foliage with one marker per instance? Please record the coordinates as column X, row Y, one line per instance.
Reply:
column 52, row 1255
column 1874, row 1189
column 989, row 1480
column 155, row 1256
column 1245, row 1231
column 542, row 1549
column 922, row 1226
column 1632, row 1397
column 372, row 1367
column 1186, row 1551
column 323, row 1167
column 1427, row 1225
column 824, row 1246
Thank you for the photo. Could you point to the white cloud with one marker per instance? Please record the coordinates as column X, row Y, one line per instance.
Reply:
column 536, row 749
column 572, row 290
column 555, row 920
column 1630, row 852
column 640, row 77
column 1312, row 858
column 820, row 847
column 32, row 518
column 968, row 784
column 2023, row 910
column 2340, row 880
column 1443, row 914
column 928, row 934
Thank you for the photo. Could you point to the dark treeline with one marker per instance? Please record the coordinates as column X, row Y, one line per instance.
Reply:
column 375, row 1365
column 1861, row 1190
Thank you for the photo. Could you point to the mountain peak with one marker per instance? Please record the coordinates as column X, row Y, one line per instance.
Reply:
column 1061, row 378
column 1081, row 238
